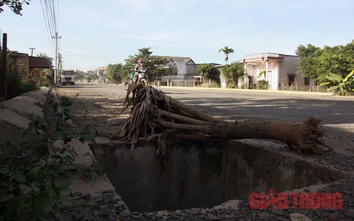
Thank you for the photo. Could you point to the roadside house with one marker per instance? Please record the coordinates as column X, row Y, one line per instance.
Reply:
column 31, row 66
column 179, row 68
column 101, row 74
column 280, row 71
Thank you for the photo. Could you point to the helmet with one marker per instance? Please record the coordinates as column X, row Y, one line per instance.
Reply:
column 140, row 60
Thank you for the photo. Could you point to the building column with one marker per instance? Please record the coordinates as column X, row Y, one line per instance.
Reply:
column 267, row 69
column 246, row 80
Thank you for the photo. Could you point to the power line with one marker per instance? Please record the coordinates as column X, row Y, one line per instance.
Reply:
column 58, row 16
column 88, row 56
column 47, row 23
column 54, row 17
column 48, row 18
column 49, row 14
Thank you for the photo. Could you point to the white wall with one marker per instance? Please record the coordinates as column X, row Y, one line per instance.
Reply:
column 279, row 67
column 273, row 75
column 223, row 83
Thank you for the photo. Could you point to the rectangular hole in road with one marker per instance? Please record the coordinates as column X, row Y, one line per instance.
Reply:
column 202, row 175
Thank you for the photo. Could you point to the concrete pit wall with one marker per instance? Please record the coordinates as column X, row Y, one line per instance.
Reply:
column 17, row 113
column 200, row 175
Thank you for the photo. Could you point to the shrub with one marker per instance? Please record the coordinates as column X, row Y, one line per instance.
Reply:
column 263, row 85
column 45, row 78
column 343, row 86
column 163, row 83
column 34, row 175
column 17, row 84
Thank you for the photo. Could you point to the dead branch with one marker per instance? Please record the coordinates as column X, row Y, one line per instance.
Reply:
column 157, row 116
column 180, row 117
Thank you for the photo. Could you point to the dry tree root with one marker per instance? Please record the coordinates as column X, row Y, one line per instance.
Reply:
column 156, row 116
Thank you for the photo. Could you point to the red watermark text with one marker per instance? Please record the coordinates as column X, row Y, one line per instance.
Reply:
column 297, row 200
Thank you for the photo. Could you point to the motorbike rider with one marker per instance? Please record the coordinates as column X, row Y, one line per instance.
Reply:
column 139, row 68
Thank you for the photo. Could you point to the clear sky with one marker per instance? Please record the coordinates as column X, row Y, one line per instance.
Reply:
column 98, row 33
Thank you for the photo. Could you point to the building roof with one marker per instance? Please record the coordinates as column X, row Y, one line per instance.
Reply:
column 102, row 68
column 38, row 62
column 177, row 59
column 33, row 62
column 265, row 57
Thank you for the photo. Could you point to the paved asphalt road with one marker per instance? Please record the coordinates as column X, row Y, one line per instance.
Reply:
column 336, row 112
column 100, row 105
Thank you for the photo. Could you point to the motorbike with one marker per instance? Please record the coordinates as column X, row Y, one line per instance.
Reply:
column 141, row 77
column 129, row 79
column 137, row 77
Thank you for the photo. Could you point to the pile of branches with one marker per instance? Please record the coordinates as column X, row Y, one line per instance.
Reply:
column 162, row 119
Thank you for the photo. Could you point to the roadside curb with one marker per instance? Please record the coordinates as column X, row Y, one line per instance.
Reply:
column 329, row 94
column 15, row 116
column 100, row 185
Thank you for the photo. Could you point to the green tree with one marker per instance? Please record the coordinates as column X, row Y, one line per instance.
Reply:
column 78, row 75
column 232, row 73
column 46, row 74
column 115, row 73
column 323, row 64
column 44, row 55
column 92, row 77
column 156, row 66
column 307, row 63
column 315, row 63
column 208, row 71
column 226, row 50
column 152, row 63
column 14, row 5
column 132, row 60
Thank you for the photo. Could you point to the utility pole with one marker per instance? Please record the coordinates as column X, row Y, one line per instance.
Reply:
column 32, row 50
column 56, row 68
column 3, row 64
column 60, row 62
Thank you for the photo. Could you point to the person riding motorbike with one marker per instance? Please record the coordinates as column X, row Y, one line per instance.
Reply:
column 139, row 69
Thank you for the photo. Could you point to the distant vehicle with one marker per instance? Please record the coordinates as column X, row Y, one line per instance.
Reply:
column 67, row 77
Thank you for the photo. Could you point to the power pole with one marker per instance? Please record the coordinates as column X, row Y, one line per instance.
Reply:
column 56, row 68
column 3, row 64
column 32, row 50
column 60, row 62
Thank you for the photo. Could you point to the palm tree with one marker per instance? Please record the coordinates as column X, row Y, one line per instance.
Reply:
column 226, row 50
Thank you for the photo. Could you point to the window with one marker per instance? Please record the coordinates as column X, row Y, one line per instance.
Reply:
column 306, row 81
column 291, row 79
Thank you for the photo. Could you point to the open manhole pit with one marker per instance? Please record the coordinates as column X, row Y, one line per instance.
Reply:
column 201, row 175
